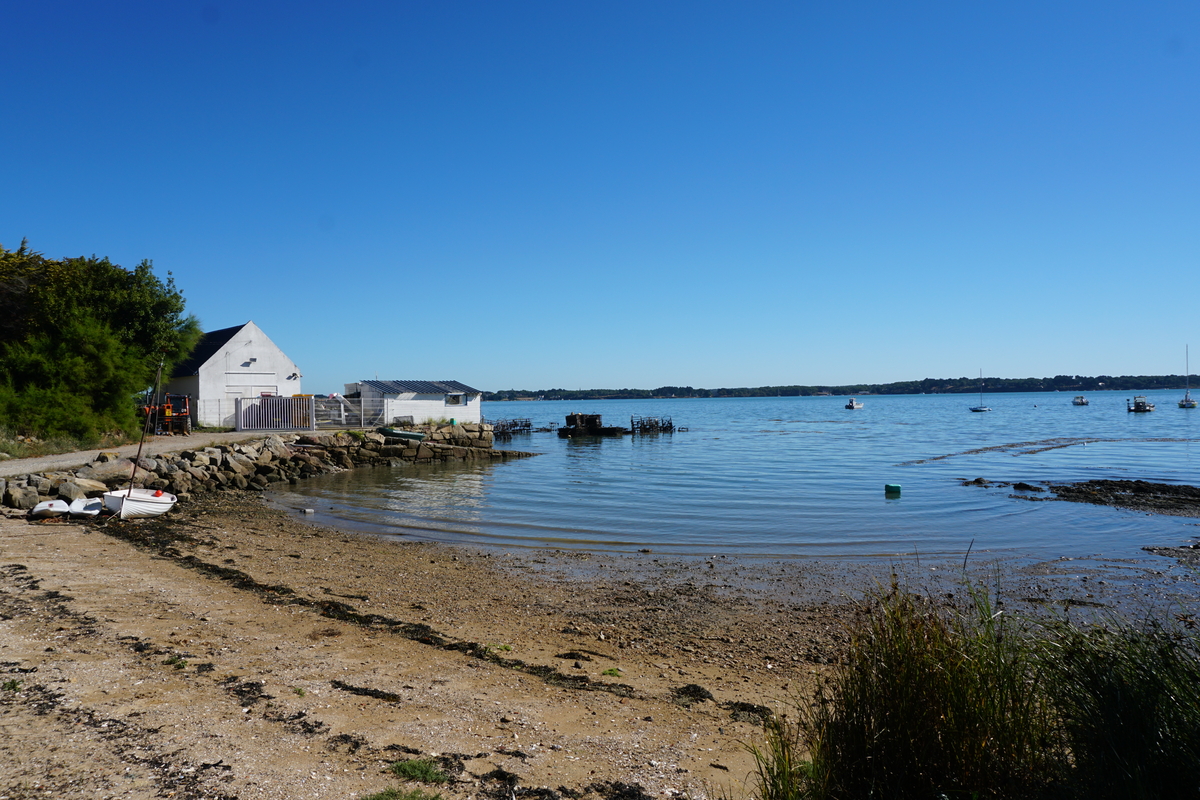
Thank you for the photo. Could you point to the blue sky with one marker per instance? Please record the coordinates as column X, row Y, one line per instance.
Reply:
column 630, row 194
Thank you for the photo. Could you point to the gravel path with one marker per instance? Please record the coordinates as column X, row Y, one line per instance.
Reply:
column 154, row 444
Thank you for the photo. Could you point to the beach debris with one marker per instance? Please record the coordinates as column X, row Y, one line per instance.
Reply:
column 692, row 693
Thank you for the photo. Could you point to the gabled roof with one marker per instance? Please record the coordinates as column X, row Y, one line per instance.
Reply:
column 421, row 387
column 208, row 347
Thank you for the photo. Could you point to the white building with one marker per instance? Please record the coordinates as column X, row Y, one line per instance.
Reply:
column 232, row 363
column 421, row 400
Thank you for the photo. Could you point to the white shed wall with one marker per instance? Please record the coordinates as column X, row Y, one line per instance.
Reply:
column 249, row 365
column 424, row 407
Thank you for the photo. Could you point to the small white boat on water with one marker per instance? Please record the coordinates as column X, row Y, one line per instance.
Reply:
column 138, row 503
column 1079, row 400
column 981, row 406
column 49, row 508
column 853, row 404
column 1187, row 401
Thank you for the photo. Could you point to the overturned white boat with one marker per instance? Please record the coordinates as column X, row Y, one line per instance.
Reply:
column 48, row 508
column 86, row 507
column 138, row 503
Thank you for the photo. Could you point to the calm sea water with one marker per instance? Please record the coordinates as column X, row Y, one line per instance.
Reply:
column 794, row 476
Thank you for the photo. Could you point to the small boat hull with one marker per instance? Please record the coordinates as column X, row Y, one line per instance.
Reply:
column 48, row 509
column 393, row 433
column 138, row 503
column 86, row 507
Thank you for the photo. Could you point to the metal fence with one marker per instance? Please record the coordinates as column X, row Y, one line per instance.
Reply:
column 306, row 413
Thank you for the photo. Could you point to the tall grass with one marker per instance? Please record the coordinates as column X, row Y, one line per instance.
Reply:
column 934, row 701
column 1129, row 699
column 929, row 701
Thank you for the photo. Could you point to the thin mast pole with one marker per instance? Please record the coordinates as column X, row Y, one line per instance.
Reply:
column 145, row 428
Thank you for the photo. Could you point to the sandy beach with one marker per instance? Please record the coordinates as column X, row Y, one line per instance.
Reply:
column 232, row 650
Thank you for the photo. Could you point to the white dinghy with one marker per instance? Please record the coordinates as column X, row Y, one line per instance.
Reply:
column 138, row 503
column 85, row 507
column 48, row 508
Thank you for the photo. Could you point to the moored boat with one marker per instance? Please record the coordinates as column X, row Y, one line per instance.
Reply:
column 1139, row 404
column 1079, row 400
column 138, row 503
column 853, row 404
column 1187, row 401
column 981, row 406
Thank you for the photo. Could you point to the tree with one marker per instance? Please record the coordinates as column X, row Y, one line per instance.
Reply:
column 80, row 338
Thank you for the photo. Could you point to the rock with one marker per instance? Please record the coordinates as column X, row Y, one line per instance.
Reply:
column 23, row 497
column 106, row 471
column 91, row 487
column 69, row 490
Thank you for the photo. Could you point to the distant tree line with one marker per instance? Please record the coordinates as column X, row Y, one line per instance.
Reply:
column 1059, row 383
column 80, row 338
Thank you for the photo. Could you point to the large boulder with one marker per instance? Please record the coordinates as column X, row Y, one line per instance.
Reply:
column 20, row 497
column 107, row 471
column 69, row 490
column 92, row 488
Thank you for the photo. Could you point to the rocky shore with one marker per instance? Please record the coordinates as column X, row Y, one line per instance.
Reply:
column 252, row 465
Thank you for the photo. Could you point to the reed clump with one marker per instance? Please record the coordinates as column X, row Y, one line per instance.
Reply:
column 934, row 700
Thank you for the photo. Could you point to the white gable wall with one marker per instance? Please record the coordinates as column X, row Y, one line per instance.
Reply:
column 248, row 365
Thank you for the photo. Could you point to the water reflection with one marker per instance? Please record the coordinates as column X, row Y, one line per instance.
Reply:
column 793, row 476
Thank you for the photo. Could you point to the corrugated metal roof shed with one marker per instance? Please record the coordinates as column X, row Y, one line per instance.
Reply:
column 421, row 387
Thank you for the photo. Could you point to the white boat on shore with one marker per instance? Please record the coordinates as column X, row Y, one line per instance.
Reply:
column 86, row 507
column 138, row 503
column 49, row 508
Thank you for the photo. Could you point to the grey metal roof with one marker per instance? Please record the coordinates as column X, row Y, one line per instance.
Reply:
column 421, row 387
column 206, row 349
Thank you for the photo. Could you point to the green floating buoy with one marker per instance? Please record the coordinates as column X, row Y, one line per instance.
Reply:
column 891, row 489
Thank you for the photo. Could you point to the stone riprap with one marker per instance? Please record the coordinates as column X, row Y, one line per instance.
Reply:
column 254, row 465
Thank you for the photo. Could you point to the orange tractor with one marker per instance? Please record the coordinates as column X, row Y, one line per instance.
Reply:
column 173, row 415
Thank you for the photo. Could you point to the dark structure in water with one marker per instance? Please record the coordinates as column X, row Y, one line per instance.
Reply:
column 588, row 425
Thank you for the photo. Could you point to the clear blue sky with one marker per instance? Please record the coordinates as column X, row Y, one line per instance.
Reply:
column 630, row 194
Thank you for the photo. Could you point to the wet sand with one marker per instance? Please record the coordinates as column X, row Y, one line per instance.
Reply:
column 230, row 649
